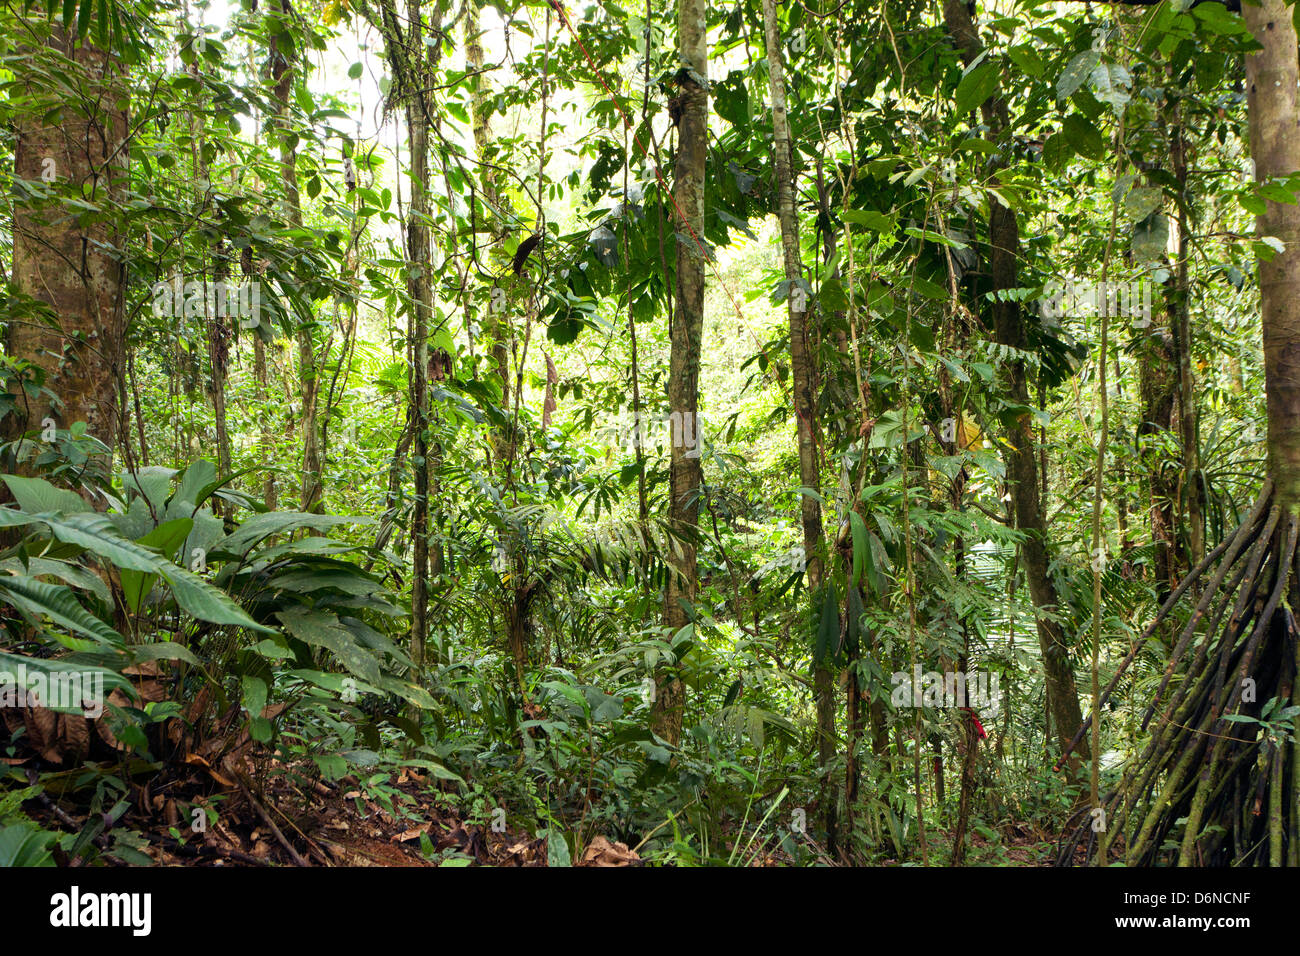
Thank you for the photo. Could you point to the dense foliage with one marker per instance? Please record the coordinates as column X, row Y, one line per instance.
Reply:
column 348, row 400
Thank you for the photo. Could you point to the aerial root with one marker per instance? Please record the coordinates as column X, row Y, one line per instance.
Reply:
column 1208, row 790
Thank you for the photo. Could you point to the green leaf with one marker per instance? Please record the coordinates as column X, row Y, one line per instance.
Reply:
column 860, row 558
column 1150, row 237
column 732, row 692
column 869, row 218
column 1083, row 136
column 1076, row 72
column 201, row 600
column 322, row 629
column 163, row 651
column 332, row 766
column 24, row 844
column 66, row 572
column 167, row 537
column 255, row 693
column 557, row 850
column 53, row 668
column 828, row 626
column 976, row 86
column 37, row 496
column 60, row 605
column 260, row 526
column 1111, row 84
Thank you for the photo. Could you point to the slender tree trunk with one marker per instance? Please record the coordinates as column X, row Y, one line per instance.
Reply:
column 1022, row 465
column 801, row 366
column 217, row 334
column 684, row 360
column 420, row 289
column 498, row 319
column 284, row 57
column 1181, row 326
column 1158, row 386
column 218, row 340
column 268, row 434
column 65, row 263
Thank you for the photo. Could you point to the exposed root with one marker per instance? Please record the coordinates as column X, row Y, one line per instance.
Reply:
column 1209, row 790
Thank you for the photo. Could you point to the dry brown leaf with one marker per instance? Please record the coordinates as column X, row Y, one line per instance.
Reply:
column 413, row 834
column 600, row 852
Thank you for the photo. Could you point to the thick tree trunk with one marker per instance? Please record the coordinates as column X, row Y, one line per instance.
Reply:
column 65, row 263
column 1271, row 77
column 684, row 361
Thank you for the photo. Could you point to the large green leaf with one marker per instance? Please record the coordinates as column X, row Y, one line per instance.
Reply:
column 167, row 537
column 323, row 629
column 277, row 522
column 976, row 86
column 196, row 597
column 201, row 600
column 66, row 572
column 23, row 844
column 828, row 625
column 53, row 667
column 60, row 605
column 36, row 495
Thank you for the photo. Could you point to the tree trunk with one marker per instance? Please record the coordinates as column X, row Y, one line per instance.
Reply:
column 1158, row 385
column 498, row 322
column 1181, row 326
column 684, row 361
column 1271, row 77
column 801, row 367
column 268, row 435
column 283, row 58
column 62, row 262
column 1022, row 466
column 420, row 289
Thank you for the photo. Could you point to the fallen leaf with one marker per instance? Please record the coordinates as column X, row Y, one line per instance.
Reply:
column 600, row 852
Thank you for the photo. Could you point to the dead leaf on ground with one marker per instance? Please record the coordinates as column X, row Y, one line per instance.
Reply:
column 600, row 852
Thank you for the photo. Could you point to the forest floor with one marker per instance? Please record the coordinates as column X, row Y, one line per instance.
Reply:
column 296, row 822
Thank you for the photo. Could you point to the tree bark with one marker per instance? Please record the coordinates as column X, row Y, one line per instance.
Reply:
column 283, row 59
column 684, row 359
column 1271, row 77
column 1181, row 326
column 420, row 289
column 801, row 370
column 64, row 262
column 268, row 435
column 1022, row 465
column 1158, row 386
